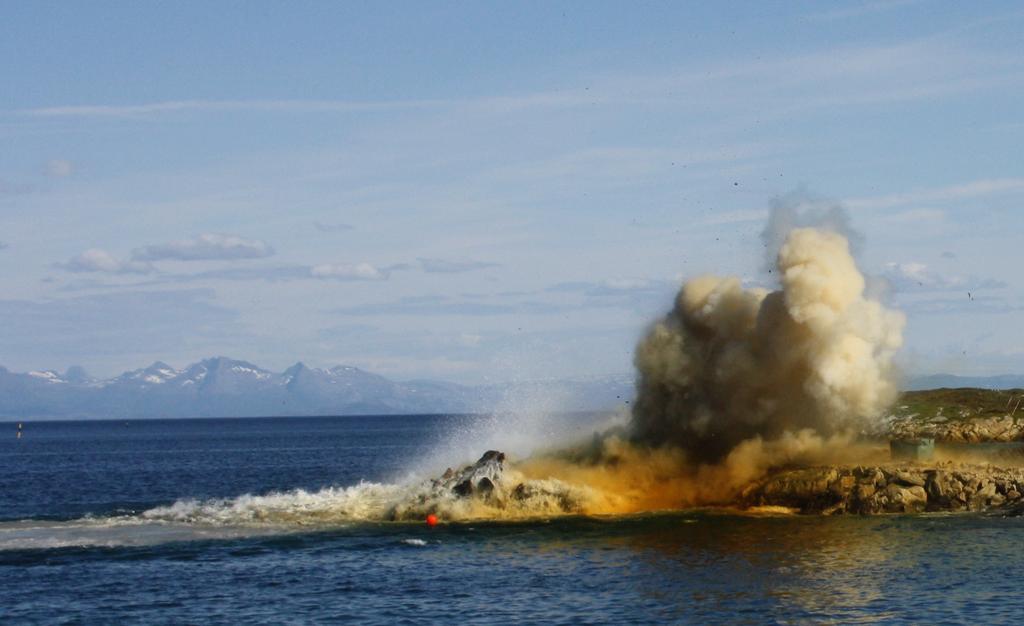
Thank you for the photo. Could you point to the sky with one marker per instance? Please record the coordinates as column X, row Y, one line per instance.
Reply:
column 494, row 192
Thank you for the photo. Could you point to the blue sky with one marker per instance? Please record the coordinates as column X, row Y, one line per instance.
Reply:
column 473, row 191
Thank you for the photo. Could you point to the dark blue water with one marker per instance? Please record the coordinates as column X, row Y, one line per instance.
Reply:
column 688, row 567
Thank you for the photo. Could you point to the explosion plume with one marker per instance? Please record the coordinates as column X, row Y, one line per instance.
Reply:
column 733, row 382
column 729, row 364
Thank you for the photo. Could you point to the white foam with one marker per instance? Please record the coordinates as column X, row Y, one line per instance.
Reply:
column 108, row 532
column 362, row 502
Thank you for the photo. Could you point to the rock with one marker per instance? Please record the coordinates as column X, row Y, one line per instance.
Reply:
column 909, row 479
column 543, row 492
column 865, row 491
column 906, row 499
column 488, row 490
column 890, row 489
column 519, row 493
column 481, row 476
column 492, row 456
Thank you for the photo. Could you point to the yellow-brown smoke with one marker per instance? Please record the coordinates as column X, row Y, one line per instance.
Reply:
column 628, row 477
column 734, row 382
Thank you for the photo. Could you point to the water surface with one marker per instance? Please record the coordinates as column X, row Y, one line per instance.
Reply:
column 72, row 549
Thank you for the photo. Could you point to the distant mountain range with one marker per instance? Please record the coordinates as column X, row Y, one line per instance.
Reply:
column 224, row 387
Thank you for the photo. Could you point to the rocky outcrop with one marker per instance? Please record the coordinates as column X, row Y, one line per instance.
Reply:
column 488, row 489
column 904, row 488
column 477, row 479
column 1002, row 428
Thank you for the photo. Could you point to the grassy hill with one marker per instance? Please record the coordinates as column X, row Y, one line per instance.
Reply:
column 963, row 414
column 960, row 404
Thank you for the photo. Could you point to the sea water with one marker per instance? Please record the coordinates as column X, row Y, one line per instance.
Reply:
column 236, row 521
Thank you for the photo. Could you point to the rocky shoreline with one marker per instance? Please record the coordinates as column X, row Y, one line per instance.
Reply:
column 896, row 488
column 908, row 487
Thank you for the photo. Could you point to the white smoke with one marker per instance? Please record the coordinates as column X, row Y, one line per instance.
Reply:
column 801, row 209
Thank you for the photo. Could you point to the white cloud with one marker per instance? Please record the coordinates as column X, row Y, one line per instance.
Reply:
column 208, row 246
column 346, row 271
column 919, row 277
column 59, row 168
column 97, row 260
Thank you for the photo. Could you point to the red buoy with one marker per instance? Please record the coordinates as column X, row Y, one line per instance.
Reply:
column 431, row 520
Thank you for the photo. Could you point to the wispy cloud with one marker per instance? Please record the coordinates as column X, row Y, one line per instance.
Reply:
column 98, row 260
column 348, row 271
column 983, row 305
column 915, row 216
column 623, row 294
column 208, row 246
column 973, row 189
column 861, row 9
column 492, row 103
column 615, row 287
column 782, row 84
column 226, row 106
column 59, row 168
column 446, row 266
column 118, row 324
column 15, row 189
column 920, row 277
column 445, row 306
column 272, row 274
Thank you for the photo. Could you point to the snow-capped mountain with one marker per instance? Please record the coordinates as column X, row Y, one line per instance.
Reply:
column 224, row 387
column 156, row 374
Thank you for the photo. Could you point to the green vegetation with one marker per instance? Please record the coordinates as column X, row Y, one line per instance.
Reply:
column 959, row 405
